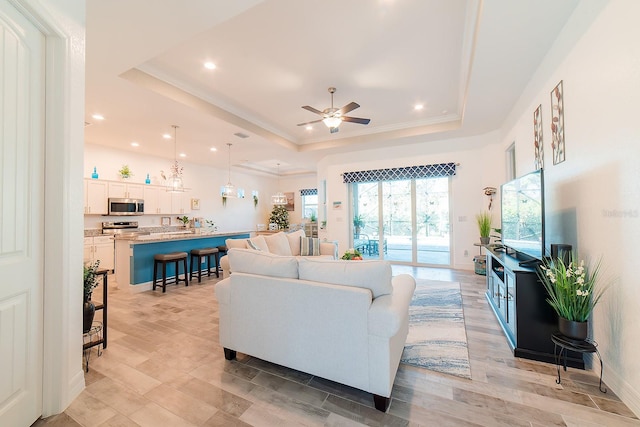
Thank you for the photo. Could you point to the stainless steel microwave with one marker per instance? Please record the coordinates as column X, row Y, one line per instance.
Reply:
column 126, row 206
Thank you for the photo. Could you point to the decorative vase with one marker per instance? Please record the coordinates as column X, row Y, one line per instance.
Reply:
column 94, row 175
column 89, row 311
column 485, row 240
column 572, row 329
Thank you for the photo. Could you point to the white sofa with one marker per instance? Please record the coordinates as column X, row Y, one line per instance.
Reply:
column 346, row 321
column 286, row 244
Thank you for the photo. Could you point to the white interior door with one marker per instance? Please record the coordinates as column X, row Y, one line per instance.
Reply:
column 21, row 217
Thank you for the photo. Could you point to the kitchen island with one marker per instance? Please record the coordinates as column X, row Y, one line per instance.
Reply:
column 134, row 255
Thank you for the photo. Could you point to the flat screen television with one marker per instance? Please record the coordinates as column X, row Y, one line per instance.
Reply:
column 522, row 210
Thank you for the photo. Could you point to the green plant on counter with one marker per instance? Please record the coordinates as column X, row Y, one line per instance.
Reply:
column 313, row 217
column 125, row 172
column 184, row 220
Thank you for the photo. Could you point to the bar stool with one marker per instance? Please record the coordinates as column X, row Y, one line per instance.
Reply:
column 164, row 259
column 198, row 254
column 222, row 250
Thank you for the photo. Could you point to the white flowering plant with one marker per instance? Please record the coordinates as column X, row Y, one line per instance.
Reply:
column 572, row 288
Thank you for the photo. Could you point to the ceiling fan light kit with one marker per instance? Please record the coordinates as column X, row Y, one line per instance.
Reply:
column 333, row 117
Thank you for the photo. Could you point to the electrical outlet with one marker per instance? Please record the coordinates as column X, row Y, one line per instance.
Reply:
column 466, row 253
column 462, row 219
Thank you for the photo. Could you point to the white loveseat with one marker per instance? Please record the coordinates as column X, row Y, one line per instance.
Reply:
column 286, row 244
column 346, row 321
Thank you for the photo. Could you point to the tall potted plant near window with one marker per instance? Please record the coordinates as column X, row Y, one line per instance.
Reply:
column 90, row 283
column 484, row 226
column 358, row 223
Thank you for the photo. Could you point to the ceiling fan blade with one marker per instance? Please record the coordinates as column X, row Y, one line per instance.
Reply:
column 355, row 120
column 349, row 107
column 308, row 123
column 313, row 110
column 334, row 130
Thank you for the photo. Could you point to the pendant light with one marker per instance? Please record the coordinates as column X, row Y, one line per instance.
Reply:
column 279, row 199
column 174, row 183
column 229, row 190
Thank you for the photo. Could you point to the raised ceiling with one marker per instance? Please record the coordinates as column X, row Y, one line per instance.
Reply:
column 465, row 61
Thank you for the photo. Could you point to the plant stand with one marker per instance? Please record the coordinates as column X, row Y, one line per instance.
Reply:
column 580, row 346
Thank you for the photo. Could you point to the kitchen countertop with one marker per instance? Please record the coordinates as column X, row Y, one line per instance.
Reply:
column 175, row 235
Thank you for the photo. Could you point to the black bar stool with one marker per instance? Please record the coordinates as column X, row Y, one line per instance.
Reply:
column 222, row 250
column 198, row 254
column 164, row 259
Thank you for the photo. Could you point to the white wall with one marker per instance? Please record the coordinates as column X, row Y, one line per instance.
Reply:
column 203, row 182
column 593, row 198
column 481, row 160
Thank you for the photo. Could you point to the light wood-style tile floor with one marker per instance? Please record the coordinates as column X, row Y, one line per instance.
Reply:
column 164, row 367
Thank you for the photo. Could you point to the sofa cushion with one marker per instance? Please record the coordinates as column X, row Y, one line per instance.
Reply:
column 372, row 275
column 262, row 263
column 278, row 244
column 236, row 243
column 260, row 243
column 309, row 246
column 294, row 241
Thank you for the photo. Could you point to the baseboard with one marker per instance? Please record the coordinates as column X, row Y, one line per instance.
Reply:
column 141, row 287
column 626, row 393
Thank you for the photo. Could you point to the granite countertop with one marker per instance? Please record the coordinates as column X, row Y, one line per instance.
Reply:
column 176, row 235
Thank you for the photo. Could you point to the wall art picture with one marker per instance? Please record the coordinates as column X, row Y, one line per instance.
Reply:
column 290, row 201
column 195, row 204
column 557, row 124
column 537, row 138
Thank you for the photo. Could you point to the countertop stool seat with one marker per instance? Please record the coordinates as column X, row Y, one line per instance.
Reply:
column 197, row 254
column 164, row 259
column 222, row 250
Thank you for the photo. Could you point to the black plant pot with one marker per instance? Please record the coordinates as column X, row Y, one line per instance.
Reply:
column 573, row 329
column 89, row 311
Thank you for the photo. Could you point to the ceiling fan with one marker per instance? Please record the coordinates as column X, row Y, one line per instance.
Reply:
column 332, row 117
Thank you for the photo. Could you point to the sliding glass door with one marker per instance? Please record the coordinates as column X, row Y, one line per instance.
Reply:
column 404, row 221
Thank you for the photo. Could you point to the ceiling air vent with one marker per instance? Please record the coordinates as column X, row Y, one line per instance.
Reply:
column 241, row 135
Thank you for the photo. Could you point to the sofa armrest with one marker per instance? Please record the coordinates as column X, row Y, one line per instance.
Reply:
column 329, row 248
column 388, row 312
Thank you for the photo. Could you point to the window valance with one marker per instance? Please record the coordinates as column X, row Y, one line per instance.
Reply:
column 396, row 174
column 309, row 192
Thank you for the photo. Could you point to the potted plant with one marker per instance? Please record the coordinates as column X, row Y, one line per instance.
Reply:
column 125, row 172
column 572, row 293
column 358, row 223
column 255, row 200
column 484, row 225
column 313, row 217
column 90, row 283
column 184, row 220
column 352, row 255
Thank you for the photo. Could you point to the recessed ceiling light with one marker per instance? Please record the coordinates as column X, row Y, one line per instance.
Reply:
column 183, row 155
column 166, row 136
column 135, row 144
column 209, row 65
column 213, row 149
column 418, row 107
column 98, row 116
column 309, row 127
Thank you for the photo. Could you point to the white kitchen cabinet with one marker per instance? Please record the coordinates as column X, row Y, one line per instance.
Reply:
column 180, row 203
column 95, row 197
column 125, row 190
column 100, row 248
column 157, row 201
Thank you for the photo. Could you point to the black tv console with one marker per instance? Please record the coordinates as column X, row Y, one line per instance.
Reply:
column 518, row 299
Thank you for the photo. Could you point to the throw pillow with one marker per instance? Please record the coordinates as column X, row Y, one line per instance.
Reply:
column 278, row 244
column 252, row 245
column 294, row 241
column 309, row 246
column 261, row 243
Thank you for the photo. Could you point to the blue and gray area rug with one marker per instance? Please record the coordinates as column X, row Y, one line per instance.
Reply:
column 437, row 338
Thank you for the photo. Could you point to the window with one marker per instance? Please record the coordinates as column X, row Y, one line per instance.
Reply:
column 511, row 161
column 309, row 203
